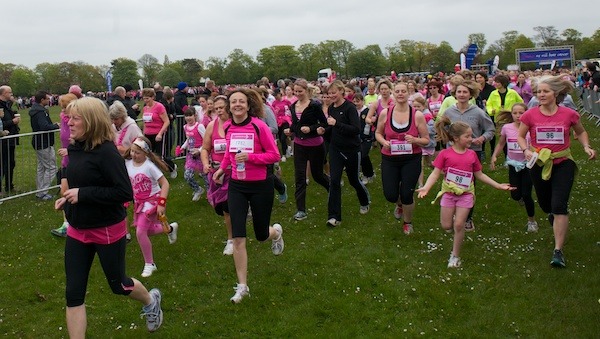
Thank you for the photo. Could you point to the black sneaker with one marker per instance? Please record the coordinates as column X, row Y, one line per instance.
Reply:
column 558, row 260
column 551, row 219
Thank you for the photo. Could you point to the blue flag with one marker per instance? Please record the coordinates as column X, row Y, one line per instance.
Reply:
column 471, row 52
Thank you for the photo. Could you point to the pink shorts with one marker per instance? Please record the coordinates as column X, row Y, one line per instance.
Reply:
column 452, row 200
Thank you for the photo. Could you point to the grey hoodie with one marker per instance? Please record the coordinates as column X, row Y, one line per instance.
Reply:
column 480, row 122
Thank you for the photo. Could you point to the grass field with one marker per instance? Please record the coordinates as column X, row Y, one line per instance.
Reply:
column 362, row 279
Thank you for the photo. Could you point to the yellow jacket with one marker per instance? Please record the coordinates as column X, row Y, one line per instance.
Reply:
column 493, row 104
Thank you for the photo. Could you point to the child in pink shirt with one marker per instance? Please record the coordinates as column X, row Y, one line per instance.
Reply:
column 460, row 166
column 518, row 175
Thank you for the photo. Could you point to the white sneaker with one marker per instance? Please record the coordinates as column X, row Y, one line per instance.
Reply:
column 283, row 159
column 532, row 226
column 277, row 245
column 364, row 209
column 198, row 194
column 174, row 172
column 453, row 262
column 228, row 250
column 333, row 222
column 398, row 212
column 173, row 234
column 289, row 152
column 148, row 270
column 240, row 292
column 153, row 312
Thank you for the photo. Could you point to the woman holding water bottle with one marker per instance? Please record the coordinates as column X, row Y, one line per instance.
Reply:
column 549, row 126
column 250, row 151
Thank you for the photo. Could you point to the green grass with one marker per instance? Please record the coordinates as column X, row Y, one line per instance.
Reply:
column 362, row 279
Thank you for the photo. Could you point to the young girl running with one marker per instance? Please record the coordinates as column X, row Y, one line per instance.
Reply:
column 150, row 191
column 194, row 131
column 460, row 166
column 518, row 175
column 420, row 104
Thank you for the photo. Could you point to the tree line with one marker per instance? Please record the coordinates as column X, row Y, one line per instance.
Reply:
column 285, row 61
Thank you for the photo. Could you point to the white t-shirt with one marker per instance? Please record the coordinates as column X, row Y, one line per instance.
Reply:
column 144, row 180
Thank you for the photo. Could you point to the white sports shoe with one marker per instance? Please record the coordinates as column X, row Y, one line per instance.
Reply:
column 241, row 291
column 148, row 270
column 198, row 194
column 173, row 235
column 228, row 250
column 364, row 209
column 278, row 245
column 532, row 226
column 153, row 312
column 333, row 222
column 174, row 172
column 453, row 262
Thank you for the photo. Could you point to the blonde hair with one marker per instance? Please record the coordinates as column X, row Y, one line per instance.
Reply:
column 96, row 123
column 152, row 156
column 505, row 116
column 471, row 85
column 65, row 99
column 449, row 131
column 557, row 84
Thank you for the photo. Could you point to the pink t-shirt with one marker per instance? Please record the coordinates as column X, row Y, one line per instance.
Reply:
column 551, row 132
column 396, row 136
column 219, row 143
column 457, row 167
column 510, row 132
column 261, row 148
column 151, row 117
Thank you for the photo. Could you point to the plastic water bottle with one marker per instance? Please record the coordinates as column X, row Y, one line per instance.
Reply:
column 367, row 129
column 240, row 168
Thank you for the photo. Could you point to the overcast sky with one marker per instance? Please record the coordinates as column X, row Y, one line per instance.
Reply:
column 97, row 32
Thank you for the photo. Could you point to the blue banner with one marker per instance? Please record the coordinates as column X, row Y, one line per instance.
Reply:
column 471, row 52
column 109, row 81
column 545, row 55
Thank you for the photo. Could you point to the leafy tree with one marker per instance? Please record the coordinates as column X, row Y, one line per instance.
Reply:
column 238, row 68
column 278, row 62
column 546, row 36
column 6, row 72
column 215, row 69
column 326, row 56
column 443, row 58
column 23, row 81
column 477, row 39
column 192, row 69
column 124, row 71
column 168, row 76
column 309, row 60
column 150, row 68
column 368, row 60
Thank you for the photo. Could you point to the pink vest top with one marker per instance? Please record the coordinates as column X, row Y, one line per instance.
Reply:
column 396, row 136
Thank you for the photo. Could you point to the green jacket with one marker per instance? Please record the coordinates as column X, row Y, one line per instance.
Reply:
column 494, row 106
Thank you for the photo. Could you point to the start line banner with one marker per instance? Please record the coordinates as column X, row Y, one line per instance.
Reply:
column 545, row 55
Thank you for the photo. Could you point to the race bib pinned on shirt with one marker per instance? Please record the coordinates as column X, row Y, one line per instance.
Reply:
column 550, row 135
column 461, row 178
column 243, row 142
column 512, row 145
column 147, row 117
column 399, row 147
column 219, row 145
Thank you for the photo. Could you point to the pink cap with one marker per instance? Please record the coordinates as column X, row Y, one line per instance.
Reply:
column 75, row 89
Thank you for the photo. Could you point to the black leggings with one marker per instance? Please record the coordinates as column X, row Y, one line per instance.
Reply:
column 553, row 194
column 366, row 166
column 259, row 196
column 302, row 155
column 338, row 161
column 79, row 257
column 399, row 176
column 282, row 137
column 522, row 181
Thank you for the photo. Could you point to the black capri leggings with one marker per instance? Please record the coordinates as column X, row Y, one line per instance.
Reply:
column 399, row 176
column 78, row 261
column 259, row 196
column 522, row 181
column 553, row 194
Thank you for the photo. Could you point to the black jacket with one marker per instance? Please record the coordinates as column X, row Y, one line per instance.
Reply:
column 40, row 121
column 180, row 101
column 103, row 183
column 312, row 117
column 127, row 102
column 9, row 125
column 345, row 133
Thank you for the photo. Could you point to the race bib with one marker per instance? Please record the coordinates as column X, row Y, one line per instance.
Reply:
column 219, row 145
column 512, row 145
column 147, row 117
column 399, row 147
column 550, row 135
column 241, row 142
column 461, row 178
